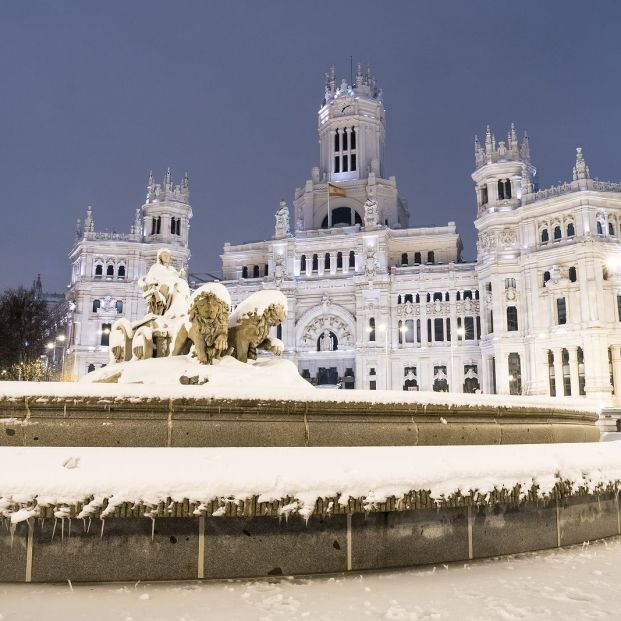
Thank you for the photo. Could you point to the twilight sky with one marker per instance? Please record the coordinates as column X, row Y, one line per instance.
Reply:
column 95, row 94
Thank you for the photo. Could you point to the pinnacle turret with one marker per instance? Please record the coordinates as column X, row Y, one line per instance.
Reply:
column 364, row 85
column 580, row 170
column 492, row 151
column 167, row 190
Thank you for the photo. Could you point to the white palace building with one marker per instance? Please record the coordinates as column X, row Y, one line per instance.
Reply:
column 377, row 304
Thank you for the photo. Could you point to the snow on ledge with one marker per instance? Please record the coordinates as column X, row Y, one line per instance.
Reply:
column 60, row 477
column 267, row 379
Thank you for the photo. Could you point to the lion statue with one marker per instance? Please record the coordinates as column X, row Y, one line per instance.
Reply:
column 206, row 324
column 251, row 321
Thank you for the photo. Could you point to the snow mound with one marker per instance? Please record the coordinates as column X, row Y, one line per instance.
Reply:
column 257, row 302
column 225, row 376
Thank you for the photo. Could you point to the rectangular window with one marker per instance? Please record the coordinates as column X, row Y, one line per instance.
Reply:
column 429, row 339
column 512, row 319
column 353, row 161
column 478, row 327
column 490, row 323
column 619, row 307
column 344, row 141
column 509, row 283
column 409, row 331
column 352, row 139
column 372, row 385
column 105, row 334
column 345, row 164
column 469, row 328
column 418, row 330
column 561, row 311
column 438, row 329
column 337, row 164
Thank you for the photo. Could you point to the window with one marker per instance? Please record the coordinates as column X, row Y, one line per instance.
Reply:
column 244, row 272
column 404, row 258
column 611, row 228
column 110, row 270
column 478, row 327
column 447, row 297
column 97, row 305
column 605, row 272
column 105, row 334
column 545, row 237
column 121, row 272
column 409, row 382
column 471, row 378
column 119, row 306
column 581, row 382
column 438, row 329
column 515, row 374
column 315, row 263
column 437, row 297
column 156, row 225
column 303, row 263
column 600, row 228
column 173, row 225
column 458, row 296
column 399, row 299
column 440, row 379
column 431, row 258
column 417, row 298
column 255, row 271
column 572, row 274
column 339, row 260
column 266, row 269
column 352, row 259
column 371, row 329
column 551, row 375
column 326, row 261
column 409, row 331
column 566, row 374
column 561, row 311
column 571, row 229
column 488, row 287
column 490, row 322
column 546, row 277
column 429, row 330
column 372, row 385
column 345, row 149
column 417, row 258
column 484, row 198
column 279, row 331
column 467, row 295
column 98, row 270
column 469, row 328
column 512, row 319
column 557, row 232
column 91, row 367
column 408, row 298
column 504, row 189
column 509, row 283
column 476, row 294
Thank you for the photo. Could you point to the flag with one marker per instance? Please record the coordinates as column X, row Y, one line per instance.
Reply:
column 335, row 190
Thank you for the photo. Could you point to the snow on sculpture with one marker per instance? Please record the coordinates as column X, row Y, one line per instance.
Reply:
column 207, row 324
column 180, row 323
column 251, row 321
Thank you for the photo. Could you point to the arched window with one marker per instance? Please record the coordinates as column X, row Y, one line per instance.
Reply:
column 458, row 296
column 326, row 261
column 611, row 228
column 476, row 294
column 515, row 374
column 546, row 277
column 339, row 260
column 467, row 295
column 255, row 271
column 605, row 272
column 557, row 232
column 244, row 272
column 173, row 225
column 429, row 297
column 342, row 216
column 417, row 258
column 545, row 237
column 566, row 374
column 371, row 329
column 572, row 274
column 401, row 330
column 431, row 257
column 121, row 272
column 408, row 298
column 352, row 259
column 437, row 297
column 266, row 269
column 504, row 189
column 156, row 225
column 315, row 263
column 119, row 306
column 571, row 230
column 98, row 270
column 447, row 297
column 303, row 263
column 404, row 258
column 512, row 319
column 178, row 227
column 417, row 298
column 399, row 299
column 110, row 270
column 600, row 228
column 96, row 305
column 551, row 374
column 581, row 380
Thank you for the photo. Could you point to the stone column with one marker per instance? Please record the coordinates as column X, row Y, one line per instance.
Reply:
column 558, row 372
column 573, row 369
column 333, row 263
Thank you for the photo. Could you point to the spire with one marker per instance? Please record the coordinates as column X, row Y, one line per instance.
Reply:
column 512, row 139
column 167, row 180
column 150, row 181
column 581, row 170
column 78, row 229
column 488, row 140
column 359, row 76
column 525, row 148
column 185, row 183
column 89, row 223
column 137, row 223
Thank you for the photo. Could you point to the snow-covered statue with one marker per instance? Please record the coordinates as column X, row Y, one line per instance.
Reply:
column 163, row 288
column 121, row 334
column 370, row 208
column 251, row 321
column 206, row 326
column 282, row 221
column 280, row 270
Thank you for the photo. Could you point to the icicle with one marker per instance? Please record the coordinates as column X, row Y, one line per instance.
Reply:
column 12, row 530
column 70, row 585
column 103, row 522
column 152, row 528
column 88, row 528
column 62, row 529
column 69, row 532
column 54, row 529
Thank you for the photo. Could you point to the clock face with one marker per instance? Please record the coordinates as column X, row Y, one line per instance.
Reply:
column 346, row 108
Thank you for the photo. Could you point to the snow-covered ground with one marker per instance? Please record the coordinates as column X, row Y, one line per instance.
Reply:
column 40, row 476
column 575, row 583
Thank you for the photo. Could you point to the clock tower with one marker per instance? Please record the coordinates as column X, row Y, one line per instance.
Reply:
column 349, row 188
column 351, row 128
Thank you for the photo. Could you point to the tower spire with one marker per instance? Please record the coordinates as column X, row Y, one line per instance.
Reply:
column 581, row 170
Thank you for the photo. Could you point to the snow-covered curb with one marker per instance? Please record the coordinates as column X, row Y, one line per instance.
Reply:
column 102, row 479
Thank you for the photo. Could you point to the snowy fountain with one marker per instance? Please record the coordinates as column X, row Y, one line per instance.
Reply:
column 190, row 456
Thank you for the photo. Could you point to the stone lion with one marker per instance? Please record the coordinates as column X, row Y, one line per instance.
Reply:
column 206, row 325
column 251, row 322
